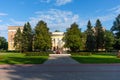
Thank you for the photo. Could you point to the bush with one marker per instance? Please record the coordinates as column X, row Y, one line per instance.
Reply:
column 1, row 58
column 82, row 53
column 85, row 53
column 37, row 53
column 12, row 51
column 118, row 55
column 3, row 50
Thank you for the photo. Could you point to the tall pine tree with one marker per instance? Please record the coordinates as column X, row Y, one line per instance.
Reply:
column 18, row 40
column 116, row 30
column 99, row 34
column 27, row 37
column 42, row 41
column 90, row 40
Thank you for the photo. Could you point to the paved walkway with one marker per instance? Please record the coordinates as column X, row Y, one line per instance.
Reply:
column 61, row 71
column 60, row 59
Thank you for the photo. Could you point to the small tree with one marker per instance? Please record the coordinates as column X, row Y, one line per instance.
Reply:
column 3, row 43
column 73, row 38
column 18, row 40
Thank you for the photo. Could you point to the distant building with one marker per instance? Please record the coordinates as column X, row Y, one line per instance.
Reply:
column 11, row 32
column 57, row 42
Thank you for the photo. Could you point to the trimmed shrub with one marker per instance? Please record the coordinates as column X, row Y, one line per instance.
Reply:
column 1, row 58
column 82, row 53
column 118, row 55
column 85, row 53
column 37, row 53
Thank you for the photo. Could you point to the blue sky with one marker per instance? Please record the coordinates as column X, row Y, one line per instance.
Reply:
column 59, row 14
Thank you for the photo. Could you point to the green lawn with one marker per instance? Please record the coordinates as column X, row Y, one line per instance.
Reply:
column 18, row 58
column 97, row 58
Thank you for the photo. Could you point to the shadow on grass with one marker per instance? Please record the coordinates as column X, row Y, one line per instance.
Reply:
column 23, row 60
column 96, row 59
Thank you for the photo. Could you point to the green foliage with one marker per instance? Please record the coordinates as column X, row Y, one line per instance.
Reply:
column 116, row 30
column 90, row 40
column 99, row 35
column 89, row 26
column 3, row 44
column 109, row 40
column 27, row 36
column 83, row 47
column 42, row 41
column 37, row 53
column 116, row 26
column 118, row 55
column 73, row 38
column 81, row 54
column 57, row 31
column 18, row 40
column 27, row 41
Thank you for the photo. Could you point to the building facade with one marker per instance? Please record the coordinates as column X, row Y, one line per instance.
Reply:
column 11, row 32
column 57, row 42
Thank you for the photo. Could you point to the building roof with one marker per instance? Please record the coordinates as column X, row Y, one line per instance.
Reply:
column 57, row 33
column 14, row 27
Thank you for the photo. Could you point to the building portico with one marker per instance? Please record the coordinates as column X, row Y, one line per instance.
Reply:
column 57, row 40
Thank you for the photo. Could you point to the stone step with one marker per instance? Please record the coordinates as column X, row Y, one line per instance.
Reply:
column 59, row 55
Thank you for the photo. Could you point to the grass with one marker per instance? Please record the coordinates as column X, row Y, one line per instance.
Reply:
column 97, row 58
column 18, row 58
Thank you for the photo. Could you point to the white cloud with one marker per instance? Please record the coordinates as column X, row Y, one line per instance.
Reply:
column 56, row 2
column 4, row 34
column 0, row 20
column 112, row 14
column 3, row 27
column 56, row 19
column 4, row 30
column 115, row 9
column 45, row 1
column 62, row 2
column 15, row 22
column 3, row 14
column 109, row 15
